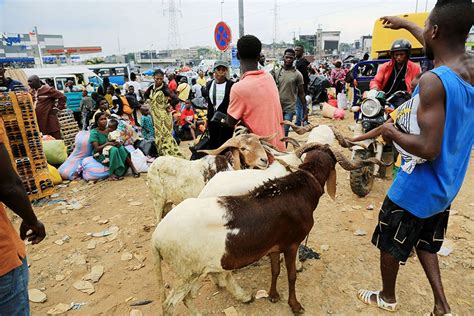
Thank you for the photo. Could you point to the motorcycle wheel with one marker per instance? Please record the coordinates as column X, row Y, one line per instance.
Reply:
column 362, row 179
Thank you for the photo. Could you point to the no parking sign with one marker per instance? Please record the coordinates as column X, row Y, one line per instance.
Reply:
column 222, row 36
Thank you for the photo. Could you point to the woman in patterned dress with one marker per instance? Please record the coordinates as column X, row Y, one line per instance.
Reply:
column 159, row 95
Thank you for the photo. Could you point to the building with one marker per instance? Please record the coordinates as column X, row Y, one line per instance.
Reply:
column 470, row 41
column 16, row 47
column 322, row 42
column 366, row 43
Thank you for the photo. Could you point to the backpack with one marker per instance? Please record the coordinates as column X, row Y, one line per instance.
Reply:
column 127, row 109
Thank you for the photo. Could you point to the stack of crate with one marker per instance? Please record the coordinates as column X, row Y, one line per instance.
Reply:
column 24, row 143
column 69, row 128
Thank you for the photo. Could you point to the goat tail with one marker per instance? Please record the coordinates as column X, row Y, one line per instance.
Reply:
column 159, row 274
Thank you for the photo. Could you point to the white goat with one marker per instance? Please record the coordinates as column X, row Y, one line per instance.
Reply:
column 171, row 179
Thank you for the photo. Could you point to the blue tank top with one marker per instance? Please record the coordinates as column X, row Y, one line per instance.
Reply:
column 433, row 185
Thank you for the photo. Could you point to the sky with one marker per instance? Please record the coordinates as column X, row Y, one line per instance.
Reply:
column 122, row 26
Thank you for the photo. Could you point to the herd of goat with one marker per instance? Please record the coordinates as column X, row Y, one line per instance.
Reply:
column 225, row 212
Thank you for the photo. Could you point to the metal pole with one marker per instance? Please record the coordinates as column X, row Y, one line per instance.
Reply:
column 222, row 14
column 241, row 18
column 416, row 9
column 39, row 48
column 426, row 5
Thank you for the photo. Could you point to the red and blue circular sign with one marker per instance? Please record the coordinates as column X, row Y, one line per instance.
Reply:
column 222, row 36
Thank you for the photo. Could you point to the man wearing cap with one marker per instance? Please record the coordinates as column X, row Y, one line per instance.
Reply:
column 218, row 98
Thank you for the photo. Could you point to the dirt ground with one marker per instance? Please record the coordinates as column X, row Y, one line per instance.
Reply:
column 326, row 286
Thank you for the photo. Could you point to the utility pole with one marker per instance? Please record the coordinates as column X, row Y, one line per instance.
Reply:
column 173, row 31
column 275, row 25
column 241, row 18
column 426, row 5
column 416, row 9
column 222, row 10
column 39, row 48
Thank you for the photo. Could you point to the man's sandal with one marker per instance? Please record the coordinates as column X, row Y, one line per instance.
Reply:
column 365, row 295
column 432, row 314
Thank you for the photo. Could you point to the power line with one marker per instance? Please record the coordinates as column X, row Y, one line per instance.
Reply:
column 173, row 31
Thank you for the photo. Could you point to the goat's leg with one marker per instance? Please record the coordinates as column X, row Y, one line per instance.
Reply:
column 158, row 204
column 218, row 279
column 234, row 288
column 275, row 265
column 189, row 299
column 178, row 294
column 290, row 257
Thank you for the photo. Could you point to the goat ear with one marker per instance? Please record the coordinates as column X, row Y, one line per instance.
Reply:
column 236, row 158
column 331, row 184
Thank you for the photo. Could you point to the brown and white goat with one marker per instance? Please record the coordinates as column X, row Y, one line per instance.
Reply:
column 221, row 234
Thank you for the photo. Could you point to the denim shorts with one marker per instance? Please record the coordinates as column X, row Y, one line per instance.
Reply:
column 14, row 292
column 398, row 231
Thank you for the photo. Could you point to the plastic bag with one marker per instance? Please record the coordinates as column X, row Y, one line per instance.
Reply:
column 55, row 151
column 139, row 160
column 55, row 176
column 341, row 101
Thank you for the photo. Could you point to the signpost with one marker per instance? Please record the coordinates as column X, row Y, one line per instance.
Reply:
column 222, row 36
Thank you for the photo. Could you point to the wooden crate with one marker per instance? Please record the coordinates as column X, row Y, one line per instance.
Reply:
column 69, row 129
column 24, row 143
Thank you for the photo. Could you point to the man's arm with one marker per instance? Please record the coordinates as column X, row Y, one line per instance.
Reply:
column 58, row 95
column 431, row 116
column 13, row 195
column 396, row 23
column 376, row 83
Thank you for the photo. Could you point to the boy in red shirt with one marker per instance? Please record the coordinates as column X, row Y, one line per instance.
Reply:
column 186, row 120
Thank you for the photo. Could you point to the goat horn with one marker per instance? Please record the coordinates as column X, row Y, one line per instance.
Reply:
column 307, row 147
column 298, row 129
column 292, row 141
column 356, row 164
column 239, row 130
column 286, row 165
column 343, row 141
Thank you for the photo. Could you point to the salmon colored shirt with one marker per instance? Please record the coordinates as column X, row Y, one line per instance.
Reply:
column 12, row 248
column 255, row 101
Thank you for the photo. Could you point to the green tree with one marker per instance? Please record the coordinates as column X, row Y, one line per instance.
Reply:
column 308, row 47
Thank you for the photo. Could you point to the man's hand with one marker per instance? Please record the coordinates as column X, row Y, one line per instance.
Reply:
column 393, row 22
column 388, row 132
column 36, row 232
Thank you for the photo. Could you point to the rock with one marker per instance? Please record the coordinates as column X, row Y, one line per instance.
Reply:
column 126, row 256
column 59, row 242
column 139, row 257
column 96, row 218
column 59, row 309
column 135, row 267
column 261, row 294
column 36, row 296
column 360, row 232
column 95, row 274
column 91, row 244
column 230, row 311
column 356, row 207
column 135, row 203
column 106, row 232
column 370, row 207
column 84, row 286
column 60, row 277
column 324, row 247
column 136, row 312
column 103, row 221
column 66, row 238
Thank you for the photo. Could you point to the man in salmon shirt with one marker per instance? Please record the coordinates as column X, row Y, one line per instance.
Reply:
column 13, row 266
column 254, row 100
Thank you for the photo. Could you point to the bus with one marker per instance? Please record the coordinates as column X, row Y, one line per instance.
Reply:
column 115, row 72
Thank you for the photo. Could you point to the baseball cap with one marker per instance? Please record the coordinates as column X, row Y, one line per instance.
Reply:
column 220, row 63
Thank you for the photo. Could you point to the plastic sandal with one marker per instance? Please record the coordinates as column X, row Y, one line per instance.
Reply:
column 365, row 295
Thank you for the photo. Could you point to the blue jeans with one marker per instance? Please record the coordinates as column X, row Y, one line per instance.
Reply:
column 299, row 112
column 14, row 292
column 288, row 116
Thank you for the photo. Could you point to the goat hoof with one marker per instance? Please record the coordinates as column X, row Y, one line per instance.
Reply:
column 274, row 297
column 297, row 309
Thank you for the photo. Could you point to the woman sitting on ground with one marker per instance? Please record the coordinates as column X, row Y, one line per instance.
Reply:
column 119, row 158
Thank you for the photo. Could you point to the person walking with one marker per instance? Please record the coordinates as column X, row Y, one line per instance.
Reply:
column 415, row 212
column 218, row 99
column 290, row 84
column 301, row 64
column 13, row 266
column 158, row 94
column 48, row 101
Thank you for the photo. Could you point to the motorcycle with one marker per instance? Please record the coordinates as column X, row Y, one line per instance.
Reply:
column 373, row 112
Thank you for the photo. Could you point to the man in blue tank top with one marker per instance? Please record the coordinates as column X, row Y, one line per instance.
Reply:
column 416, row 210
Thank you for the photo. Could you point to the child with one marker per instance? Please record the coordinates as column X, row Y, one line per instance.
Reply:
column 146, row 123
column 114, row 136
column 187, row 119
column 86, row 106
column 103, row 106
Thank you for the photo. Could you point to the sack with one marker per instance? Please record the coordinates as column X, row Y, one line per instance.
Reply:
column 139, row 160
column 55, row 151
column 127, row 109
column 341, row 101
column 219, row 117
column 203, row 143
column 54, row 174
column 147, row 146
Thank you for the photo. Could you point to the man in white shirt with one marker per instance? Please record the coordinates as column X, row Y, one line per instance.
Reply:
column 134, row 83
